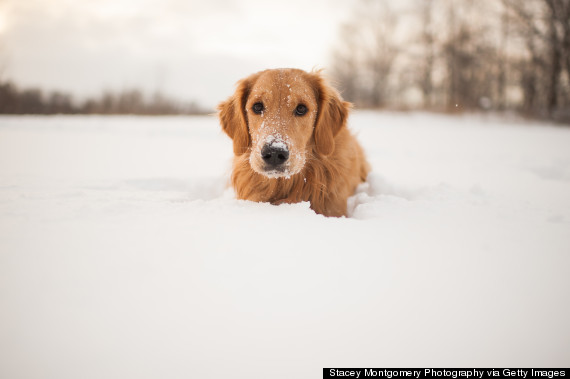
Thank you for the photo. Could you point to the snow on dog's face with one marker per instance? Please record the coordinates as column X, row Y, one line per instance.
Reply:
column 277, row 119
column 281, row 109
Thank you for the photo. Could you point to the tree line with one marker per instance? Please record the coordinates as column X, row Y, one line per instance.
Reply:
column 458, row 55
column 14, row 100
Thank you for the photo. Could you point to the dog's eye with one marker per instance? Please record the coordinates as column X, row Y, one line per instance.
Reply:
column 301, row 110
column 257, row 108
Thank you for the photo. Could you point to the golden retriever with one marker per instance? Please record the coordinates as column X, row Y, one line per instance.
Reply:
column 291, row 142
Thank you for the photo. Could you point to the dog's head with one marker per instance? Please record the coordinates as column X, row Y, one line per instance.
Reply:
column 281, row 118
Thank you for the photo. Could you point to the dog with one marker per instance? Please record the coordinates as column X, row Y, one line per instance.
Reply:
column 290, row 141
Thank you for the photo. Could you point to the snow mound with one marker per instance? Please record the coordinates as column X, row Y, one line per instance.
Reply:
column 123, row 253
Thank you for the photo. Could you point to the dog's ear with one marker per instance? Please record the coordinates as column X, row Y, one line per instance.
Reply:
column 331, row 117
column 233, row 118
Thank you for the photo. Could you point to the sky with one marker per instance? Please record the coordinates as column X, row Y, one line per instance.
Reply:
column 193, row 50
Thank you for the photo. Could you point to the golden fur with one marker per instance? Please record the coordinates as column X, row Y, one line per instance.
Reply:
column 325, row 162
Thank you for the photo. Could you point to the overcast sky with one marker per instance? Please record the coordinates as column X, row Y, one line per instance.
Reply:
column 190, row 49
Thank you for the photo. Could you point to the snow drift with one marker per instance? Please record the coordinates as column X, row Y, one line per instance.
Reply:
column 124, row 254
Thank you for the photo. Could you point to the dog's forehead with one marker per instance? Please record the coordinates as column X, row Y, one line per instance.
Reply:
column 281, row 80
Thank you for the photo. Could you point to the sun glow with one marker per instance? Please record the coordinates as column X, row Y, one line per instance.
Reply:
column 2, row 22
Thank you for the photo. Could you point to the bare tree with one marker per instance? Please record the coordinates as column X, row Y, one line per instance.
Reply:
column 345, row 60
column 485, row 54
column 427, row 35
column 364, row 58
column 544, row 25
column 502, row 60
column 378, row 25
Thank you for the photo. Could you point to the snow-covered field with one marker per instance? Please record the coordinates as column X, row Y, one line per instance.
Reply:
column 124, row 255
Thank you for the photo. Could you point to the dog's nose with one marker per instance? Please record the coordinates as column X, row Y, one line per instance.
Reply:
column 275, row 154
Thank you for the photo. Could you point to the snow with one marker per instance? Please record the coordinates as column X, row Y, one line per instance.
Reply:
column 123, row 254
column 276, row 141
